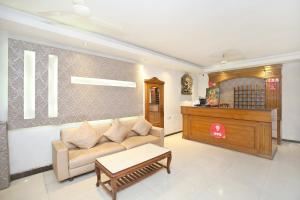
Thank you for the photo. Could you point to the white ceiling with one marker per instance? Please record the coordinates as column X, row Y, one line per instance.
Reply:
column 196, row 31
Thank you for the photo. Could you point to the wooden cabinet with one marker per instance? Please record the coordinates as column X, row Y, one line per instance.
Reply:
column 154, row 101
column 248, row 131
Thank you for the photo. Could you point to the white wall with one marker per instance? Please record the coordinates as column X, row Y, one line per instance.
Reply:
column 291, row 101
column 202, row 84
column 172, row 93
column 30, row 148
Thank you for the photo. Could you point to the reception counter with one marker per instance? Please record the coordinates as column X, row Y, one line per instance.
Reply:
column 248, row 131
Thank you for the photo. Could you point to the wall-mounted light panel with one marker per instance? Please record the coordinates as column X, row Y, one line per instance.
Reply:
column 52, row 85
column 103, row 82
column 29, row 84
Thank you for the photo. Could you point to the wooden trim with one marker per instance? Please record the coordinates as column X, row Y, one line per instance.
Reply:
column 149, row 83
column 170, row 134
column 229, row 113
column 154, row 80
column 30, row 172
column 256, row 72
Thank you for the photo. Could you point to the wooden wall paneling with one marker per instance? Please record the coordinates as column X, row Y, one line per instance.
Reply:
column 256, row 72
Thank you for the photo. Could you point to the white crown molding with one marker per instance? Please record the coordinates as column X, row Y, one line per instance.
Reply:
column 33, row 21
column 276, row 59
column 66, row 47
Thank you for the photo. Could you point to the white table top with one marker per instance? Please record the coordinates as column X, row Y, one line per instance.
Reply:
column 122, row 160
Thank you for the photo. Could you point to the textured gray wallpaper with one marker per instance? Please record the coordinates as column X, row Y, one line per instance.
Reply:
column 227, row 88
column 4, row 157
column 75, row 102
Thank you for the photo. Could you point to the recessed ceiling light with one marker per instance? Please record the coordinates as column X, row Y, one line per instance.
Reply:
column 268, row 67
column 223, row 62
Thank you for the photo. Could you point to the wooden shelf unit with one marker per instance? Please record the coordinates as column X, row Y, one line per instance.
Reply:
column 249, row 97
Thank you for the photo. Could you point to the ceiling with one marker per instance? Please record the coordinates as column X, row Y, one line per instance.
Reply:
column 196, row 31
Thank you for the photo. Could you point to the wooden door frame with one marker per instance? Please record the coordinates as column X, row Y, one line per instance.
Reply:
column 160, row 84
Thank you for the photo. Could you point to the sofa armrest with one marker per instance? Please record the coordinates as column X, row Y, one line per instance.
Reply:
column 60, row 159
column 158, row 132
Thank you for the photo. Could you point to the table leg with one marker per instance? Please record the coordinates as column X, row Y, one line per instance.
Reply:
column 169, row 158
column 97, row 169
column 113, row 183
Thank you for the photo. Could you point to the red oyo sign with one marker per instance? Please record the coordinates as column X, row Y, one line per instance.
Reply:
column 211, row 84
column 217, row 130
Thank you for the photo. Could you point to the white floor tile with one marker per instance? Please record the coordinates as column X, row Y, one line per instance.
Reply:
column 198, row 171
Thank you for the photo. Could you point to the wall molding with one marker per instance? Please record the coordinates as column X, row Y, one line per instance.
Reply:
column 269, row 60
column 66, row 47
column 12, row 16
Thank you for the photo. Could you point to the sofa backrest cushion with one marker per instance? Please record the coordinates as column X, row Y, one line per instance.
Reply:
column 117, row 132
column 142, row 127
column 85, row 136
column 129, row 122
column 101, row 129
column 66, row 134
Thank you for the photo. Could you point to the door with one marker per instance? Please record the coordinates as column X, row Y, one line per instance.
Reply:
column 154, row 101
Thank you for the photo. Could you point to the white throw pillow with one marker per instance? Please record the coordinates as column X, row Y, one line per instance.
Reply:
column 85, row 136
column 117, row 132
column 142, row 127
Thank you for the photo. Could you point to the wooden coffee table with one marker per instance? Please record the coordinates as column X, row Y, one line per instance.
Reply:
column 128, row 167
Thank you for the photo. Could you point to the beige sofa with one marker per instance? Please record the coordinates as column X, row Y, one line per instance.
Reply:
column 69, row 161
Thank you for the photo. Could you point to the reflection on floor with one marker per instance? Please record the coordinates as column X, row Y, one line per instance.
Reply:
column 198, row 171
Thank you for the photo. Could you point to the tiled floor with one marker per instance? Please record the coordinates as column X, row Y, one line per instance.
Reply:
column 198, row 171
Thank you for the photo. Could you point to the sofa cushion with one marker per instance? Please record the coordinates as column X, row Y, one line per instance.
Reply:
column 85, row 137
column 135, row 141
column 142, row 127
column 129, row 122
column 131, row 133
column 116, row 132
column 101, row 128
column 81, row 157
column 66, row 134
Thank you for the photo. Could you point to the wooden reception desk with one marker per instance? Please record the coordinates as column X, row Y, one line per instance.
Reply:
column 248, row 131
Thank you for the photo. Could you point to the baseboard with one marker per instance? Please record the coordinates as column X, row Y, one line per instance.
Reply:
column 30, row 172
column 173, row 133
column 293, row 141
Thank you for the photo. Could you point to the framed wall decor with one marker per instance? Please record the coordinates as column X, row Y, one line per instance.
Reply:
column 213, row 96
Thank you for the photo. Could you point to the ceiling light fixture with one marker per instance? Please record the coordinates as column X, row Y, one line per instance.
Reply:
column 80, row 8
column 223, row 61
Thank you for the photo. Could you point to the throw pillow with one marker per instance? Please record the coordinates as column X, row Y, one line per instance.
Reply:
column 116, row 132
column 85, row 136
column 142, row 127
